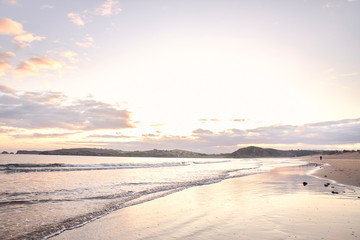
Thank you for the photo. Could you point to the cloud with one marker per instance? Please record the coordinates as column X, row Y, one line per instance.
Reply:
column 238, row 120
column 10, row 27
column 202, row 131
column 322, row 135
column 76, row 19
column 333, row 132
column 47, row 6
column 37, row 65
column 107, row 136
column 5, row 130
column 11, row 2
column 44, row 62
column 351, row 74
column 38, row 110
column 108, row 8
column 43, row 135
column 89, row 42
column 209, row 120
column 315, row 135
column 69, row 55
column 4, row 67
column 7, row 55
column 6, row 89
column 25, row 39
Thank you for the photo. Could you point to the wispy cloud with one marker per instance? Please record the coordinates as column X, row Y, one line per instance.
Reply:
column 46, row 6
column 337, row 4
column 70, row 56
column 76, row 19
column 351, row 74
column 11, row 2
column 87, row 43
column 25, row 39
column 43, row 135
column 4, row 67
column 107, row 136
column 210, row 120
column 238, row 120
column 108, row 8
column 6, row 130
column 6, row 89
column 7, row 55
column 39, row 110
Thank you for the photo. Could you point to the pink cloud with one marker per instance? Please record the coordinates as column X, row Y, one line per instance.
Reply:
column 108, row 8
column 26, row 38
column 69, row 55
column 10, row 27
column 7, row 55
column 4, row 67
column 76, row 19
column 36, row 65
column 23, row 38
column 46, row 6
column 11, row 2
column 89, row 42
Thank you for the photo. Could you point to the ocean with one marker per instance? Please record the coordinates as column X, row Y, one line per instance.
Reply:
column 44, row 195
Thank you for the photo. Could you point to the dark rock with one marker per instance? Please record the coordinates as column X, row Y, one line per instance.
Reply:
column 334, row 192
column 326, row 184
column 305, row 183
column 325, row 175
column 4, row 152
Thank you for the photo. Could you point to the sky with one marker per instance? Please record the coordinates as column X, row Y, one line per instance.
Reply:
column 202, row 75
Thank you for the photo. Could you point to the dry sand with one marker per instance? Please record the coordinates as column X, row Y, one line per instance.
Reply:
column 343, row 168
column 270, row 206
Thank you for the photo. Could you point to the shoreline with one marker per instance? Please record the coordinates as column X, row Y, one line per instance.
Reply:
column 272, row 205
column 342, row 168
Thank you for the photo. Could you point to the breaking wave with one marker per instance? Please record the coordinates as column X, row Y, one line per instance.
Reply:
column 55, row 167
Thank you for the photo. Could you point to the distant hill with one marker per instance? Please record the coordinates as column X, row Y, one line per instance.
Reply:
column 252, row 151
column 247, row 152
column 117, row 153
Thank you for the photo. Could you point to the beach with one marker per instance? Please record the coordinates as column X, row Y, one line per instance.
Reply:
column 285, row 203
column 343, row 168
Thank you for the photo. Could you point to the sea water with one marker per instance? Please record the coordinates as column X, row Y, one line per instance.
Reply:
column 43, row 195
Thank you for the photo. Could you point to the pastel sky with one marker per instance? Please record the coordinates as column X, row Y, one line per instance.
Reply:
column 201, row 75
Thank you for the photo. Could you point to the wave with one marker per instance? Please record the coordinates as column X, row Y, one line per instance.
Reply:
column 55, row 167
column 116, row 201
column 212, row 162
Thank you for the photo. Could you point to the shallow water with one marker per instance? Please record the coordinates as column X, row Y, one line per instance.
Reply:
column 44, row 195
column 268, row 206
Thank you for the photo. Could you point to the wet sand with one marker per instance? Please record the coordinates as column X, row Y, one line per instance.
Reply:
column 343, row 168
column 273, row 205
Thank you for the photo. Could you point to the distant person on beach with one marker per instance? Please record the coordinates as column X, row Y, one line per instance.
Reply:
column 320, row 158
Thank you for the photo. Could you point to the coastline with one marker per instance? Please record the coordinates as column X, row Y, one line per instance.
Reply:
column 342, row 168
column 273, row 205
